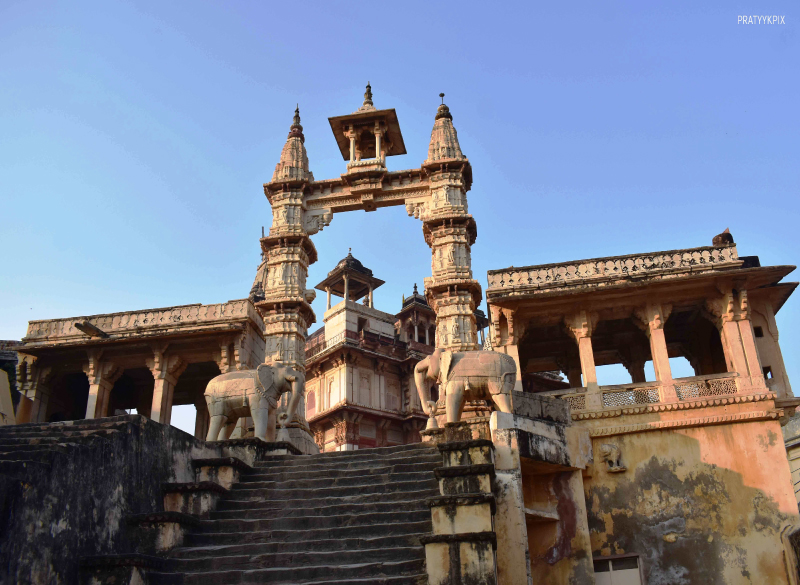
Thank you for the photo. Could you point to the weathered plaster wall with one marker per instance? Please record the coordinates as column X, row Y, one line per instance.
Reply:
column 703, row 505
column 54, row 515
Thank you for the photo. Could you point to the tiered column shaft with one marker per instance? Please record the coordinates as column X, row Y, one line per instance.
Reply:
column 450, row 232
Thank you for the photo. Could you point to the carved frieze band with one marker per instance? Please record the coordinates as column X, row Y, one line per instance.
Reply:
column 673, row 406
column 691, row 422
column 619, row 267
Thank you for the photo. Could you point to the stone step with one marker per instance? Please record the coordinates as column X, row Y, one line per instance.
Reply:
column 274, row 547
column 299, row 472
column 337, row 573
column 118, row 422
column 28, row 448
column 60, row 435
column 313, row 522
column 352, row 481
column 381, row 453
column 157, row 578
column 256, row 500
column 347, row 507
column 218, row 562
column 401, row 529
column 21, row 467
column 40, row 455
column 240, row 491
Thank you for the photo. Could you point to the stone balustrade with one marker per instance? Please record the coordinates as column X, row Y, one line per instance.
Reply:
column 136, row 322
column 614, row 268
column 622, row 395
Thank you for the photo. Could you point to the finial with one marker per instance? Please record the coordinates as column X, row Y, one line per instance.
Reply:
column 368, row 95
column 443, row 111
column 349, row 250
column 415, row 288
column 296, row 129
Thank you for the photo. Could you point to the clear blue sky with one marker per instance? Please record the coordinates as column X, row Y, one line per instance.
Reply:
column 135, row 137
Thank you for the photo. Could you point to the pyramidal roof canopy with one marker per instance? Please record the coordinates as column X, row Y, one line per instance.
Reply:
column 364, row 118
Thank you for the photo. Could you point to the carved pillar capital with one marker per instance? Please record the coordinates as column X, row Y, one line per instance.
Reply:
column 652, row 316
column 581, row 324
column 164, row 366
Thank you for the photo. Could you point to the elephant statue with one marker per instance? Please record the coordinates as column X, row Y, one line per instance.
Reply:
column 462, row 376
column 253, row 393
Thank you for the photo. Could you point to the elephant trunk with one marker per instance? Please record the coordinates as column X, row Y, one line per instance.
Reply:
column 423, row 389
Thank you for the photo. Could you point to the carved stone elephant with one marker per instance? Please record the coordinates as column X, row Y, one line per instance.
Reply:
column 462, row 376
column 253, row 393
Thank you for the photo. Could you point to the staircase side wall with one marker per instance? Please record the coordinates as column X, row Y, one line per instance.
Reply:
column 51, row 517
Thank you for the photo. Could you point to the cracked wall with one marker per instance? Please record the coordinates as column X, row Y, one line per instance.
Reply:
column 703, row 505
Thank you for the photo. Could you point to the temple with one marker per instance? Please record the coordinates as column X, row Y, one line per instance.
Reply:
column 412, row 447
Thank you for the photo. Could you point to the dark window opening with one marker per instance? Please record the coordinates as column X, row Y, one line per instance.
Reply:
column 758, row 331
column 767, row 372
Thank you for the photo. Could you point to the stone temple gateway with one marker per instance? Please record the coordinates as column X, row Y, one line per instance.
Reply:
column 405, row 448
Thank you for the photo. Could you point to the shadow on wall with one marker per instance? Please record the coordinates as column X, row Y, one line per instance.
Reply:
column 693, row 522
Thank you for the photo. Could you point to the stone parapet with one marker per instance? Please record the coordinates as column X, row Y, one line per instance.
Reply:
column 604, row 271
column 126, row 324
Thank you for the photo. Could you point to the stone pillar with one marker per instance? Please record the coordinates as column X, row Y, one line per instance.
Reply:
column 352, row 147
column 166, row 370
column 724, row 314
column 427, row 336
column 652, row 318
column 450, row 232
column 201, row 419
column 32, row 381
column 328, row 291
column 346, row 278
column 581, row 325
column 102, row 376
column 371, row 305
column 378, row 133
column 749, row 342
column 416, row 332
column 636, row 370
column 779, row 367
column 286, row 308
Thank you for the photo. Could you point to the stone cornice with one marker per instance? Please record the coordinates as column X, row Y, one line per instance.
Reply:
column 692, row 422
column 672, row 406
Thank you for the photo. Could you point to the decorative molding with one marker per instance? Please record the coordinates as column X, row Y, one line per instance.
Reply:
column 692, row 422
column 673, row 406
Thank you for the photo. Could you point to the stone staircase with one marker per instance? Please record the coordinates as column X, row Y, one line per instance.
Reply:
column 35, row 445
column 344, row 517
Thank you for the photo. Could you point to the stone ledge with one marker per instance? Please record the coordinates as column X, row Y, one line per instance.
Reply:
column 263, row 445
column 673, row 406
column 234, row 462
column 462, row 470
column 162, row 517
column 490, row 537
column 123, row 560
column 201, row 486
column 459, row 445
column 464, row 500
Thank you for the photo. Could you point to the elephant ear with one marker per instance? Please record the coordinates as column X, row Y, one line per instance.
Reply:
column 447, row 359
column 434, row 364
column 266, row 376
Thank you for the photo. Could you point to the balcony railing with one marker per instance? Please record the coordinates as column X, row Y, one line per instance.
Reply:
column 361, row 338
column 617, row 267
column 618, row 396
column 702, row 386
column 629, row 394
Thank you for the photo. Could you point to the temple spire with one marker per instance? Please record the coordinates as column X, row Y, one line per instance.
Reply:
column 444, row 139
column 293, row 164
